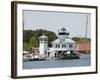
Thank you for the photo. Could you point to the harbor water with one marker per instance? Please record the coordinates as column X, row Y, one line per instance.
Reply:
column 85, row 60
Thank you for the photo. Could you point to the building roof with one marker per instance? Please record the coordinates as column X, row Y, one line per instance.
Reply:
column 25, row 52
column 43, row 36
column 66, row 40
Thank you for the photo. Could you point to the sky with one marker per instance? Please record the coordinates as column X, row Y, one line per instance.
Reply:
column 75, row 23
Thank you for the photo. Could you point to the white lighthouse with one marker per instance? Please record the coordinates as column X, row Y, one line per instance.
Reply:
column 43, row 44
column 63, row 43
column 62, row 34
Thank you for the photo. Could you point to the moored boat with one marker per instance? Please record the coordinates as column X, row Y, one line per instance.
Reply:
column 69, row 55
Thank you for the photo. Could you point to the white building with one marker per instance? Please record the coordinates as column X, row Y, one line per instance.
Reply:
column 63, row 43
column 43, row 44
column 60, row 45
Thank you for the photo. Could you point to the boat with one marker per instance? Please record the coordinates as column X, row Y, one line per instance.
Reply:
column 68, row 55
column 26, row 58
column 37, row 58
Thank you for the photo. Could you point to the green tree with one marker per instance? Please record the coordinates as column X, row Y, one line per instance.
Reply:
column 33, row 42
column 25, row 46
column 77, row 39
column 81, row 39
column 27, row 34
column 31, row 38
column 51, row 37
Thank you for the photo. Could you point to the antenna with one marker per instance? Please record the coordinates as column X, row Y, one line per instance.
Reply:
column 86, row 26
column 23, row 24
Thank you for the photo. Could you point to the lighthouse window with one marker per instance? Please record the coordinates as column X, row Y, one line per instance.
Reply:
column 57, row 46
column 45, row 39
column 62, row 33
column 63, row 45
column 70, row 45
column 41, row 39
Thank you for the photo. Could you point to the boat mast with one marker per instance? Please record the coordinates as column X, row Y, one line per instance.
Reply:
column 86, row 26
column 86, row 30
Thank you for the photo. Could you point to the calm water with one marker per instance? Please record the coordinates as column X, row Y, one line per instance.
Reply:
column 84, row 61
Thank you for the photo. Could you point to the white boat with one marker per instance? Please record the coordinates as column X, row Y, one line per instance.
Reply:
column 35, row 57
column 42, row 57
column 27, row 57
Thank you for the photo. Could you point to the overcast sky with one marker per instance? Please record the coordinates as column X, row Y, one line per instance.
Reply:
column 75, row 23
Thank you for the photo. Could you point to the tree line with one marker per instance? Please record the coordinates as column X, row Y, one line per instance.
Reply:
column 31, row 38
